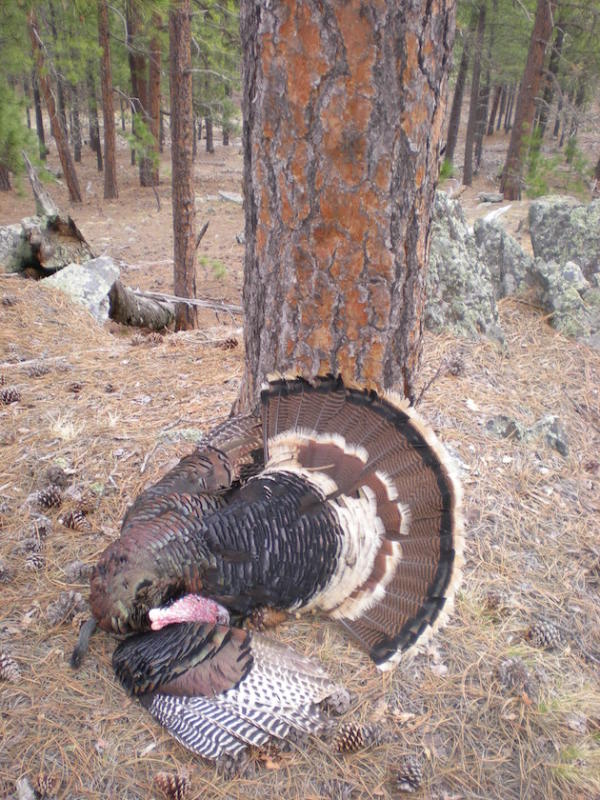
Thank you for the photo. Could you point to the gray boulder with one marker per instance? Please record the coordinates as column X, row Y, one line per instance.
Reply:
column 10, row 248
column 88, row 284
column 508, row 263
column 570, row 299
column 563, row 230
column 460, row 292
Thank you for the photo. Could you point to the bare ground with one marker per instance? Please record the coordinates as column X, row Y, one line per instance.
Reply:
column 115, row 413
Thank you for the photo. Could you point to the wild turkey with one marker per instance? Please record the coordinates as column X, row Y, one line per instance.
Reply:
column 355, row 512
column 218, row 689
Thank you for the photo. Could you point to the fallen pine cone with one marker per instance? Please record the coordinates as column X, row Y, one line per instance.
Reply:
column 76, row 520
column 9, row 669
column 410, row 774
column 544, row 633
column 50, row 497
column 9, row 395
column 65, row 607
column 353, row 736
column 47, row 785
column 174, row 786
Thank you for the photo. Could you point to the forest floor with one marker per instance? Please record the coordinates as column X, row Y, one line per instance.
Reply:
column 488, row 713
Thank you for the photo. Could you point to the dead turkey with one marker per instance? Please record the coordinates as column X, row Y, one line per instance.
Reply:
column 335, row 499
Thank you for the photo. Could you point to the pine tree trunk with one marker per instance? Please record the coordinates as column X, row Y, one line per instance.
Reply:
column 225, row 136
column 111, row 191
column 509, row 108
column 503, row 94
column 597, row 170
column 154, row 96
column 474, row 103
column 210, row 142
column 558, row 116
column 122, row 107
column 343, row 109
column 138, row 68
column 161, row 132
column 28, row 105
column 94, row 125
column 76, row 125
column 180, row 62
column 39, row 119
column 457, row 99
column 532, row 76
column 482, row 113
column 553, row 66
column 194, row 139
column 66, row 160
column 494, row 109
column 4, row 179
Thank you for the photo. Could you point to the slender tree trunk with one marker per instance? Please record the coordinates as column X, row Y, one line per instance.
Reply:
column 93, row 118
column 494, row 109
column 194, row 139
column 4, row 179
column 138, row 68
column 474, row 104
column 161, row 132
column 28, row 104
column 553, row 66
column 225, row 136
column 457, row 99
column 343, row 112
column 503, row 95
column 579, row 101
column 122, row 107
column 509, row 108
column 557, row 119
column 597, row 170
column 542, row 29
column 210, row 142
column 76, row 125
column 184, row 226
column 154, row 96
column 66, row 160
column 482, row 113
column 111, row 191
column 39, row 119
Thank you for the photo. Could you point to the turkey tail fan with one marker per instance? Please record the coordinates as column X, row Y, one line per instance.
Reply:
column 218, row 689
column 397, row 499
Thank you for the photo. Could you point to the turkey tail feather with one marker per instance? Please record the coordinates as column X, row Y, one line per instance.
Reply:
column 397, row 498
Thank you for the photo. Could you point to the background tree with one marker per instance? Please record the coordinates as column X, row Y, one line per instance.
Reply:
column 111, row 190
column 343, row 110
column 525, row 108
column 474, row 103
column 180, row 61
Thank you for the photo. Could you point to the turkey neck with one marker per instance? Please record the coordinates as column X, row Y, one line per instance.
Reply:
column 276, row 544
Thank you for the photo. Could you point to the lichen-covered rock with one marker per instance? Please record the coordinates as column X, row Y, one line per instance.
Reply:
column 88, row 284
column 460, row 294
column 563, row 230
column 564, row 291
column 10, row 248
column 507, row 262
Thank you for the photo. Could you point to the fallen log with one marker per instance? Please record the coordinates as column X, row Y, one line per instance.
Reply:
column 132, row 308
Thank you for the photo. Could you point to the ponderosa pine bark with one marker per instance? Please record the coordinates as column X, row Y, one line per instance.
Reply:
column 180, row 62
column 474, row 107
column 343, row 111
column 111, row 190
column 553, row 65
column 66, row 160
column 494, row 109
column 525, row 108
column 94, row 125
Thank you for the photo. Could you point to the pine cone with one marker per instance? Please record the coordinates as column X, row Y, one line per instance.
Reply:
column 64, row 609
column 9, row 669
column 9, row 395
column 9, row 300
column 228, row 344
column 2, row 380
column 47, row 785
column 57, row 476
column 154, row 338
column 353, row 736
column 497, row 600
column 50, row 497
column 34, row 561
column 75, row 387
column 544, row 633
column 410, row 774
column 77, row 572
column 37, row 369
column 5, row 573
column 136, row 340
column 515, row 676
column 109, row 388
column 76, row 520
column 41, row 527
column 174, row 786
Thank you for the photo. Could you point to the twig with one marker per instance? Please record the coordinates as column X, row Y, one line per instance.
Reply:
column 430, row 381
column 214, row 305
column 157, row 197
column 201, row 235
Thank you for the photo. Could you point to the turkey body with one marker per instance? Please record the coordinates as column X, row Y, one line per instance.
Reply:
column 334, row 499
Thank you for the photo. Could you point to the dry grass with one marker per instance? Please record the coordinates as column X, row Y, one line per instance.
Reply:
column 532, row 534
